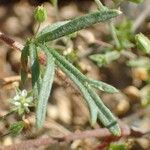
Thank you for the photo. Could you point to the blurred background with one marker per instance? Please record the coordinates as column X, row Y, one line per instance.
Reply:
column 67, row 111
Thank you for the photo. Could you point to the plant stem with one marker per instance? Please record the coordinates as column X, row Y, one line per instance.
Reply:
column 56, row 9
column 10, row 42
column 114, row 35
column 5, row 116
column 37, row 29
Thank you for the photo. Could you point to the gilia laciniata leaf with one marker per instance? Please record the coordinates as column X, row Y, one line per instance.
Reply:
column 97, row 108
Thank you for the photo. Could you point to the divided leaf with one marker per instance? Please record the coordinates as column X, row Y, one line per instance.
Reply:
column 97, row 84
column 102, row 86
column 96, row 106
column 42, row 87
column 104, row 114
column 93, row 108
column 104, row 59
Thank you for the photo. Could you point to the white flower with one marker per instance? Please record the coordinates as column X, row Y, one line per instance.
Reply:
column 22, row 101
column 29, row 99
column 16, row 98
column 17, row 104
column 24, row 93
column 26, row 104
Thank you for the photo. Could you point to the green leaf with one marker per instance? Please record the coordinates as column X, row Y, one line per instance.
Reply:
column 78, row 24
column 115, row 146
column 124, row 34
column 104, row 59
column 16, row 128
column 143, row 43
column 102, row 86
column 24, row 63
column 104, row 114
column 97, row 84
column 51, row 28
column 96, row 108
column 93, row 108
column 45, row 91
column 35, row 66
column 143, row 62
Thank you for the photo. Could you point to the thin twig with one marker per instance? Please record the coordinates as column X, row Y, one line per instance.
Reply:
column 11, row 79
column 36, row 143
column 10, row 42
column 101, row 133
column 114, row 34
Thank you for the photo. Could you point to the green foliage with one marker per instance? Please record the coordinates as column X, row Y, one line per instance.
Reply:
column 72, row 57
column 143, row 43
column 115, row 146
column 104, row 59
column 124, row 34
column 55, row 31
column 143, row 62
column 16, row 128
column 35, row 67
column 96, row 106
column 24, row 63
column 43, row 76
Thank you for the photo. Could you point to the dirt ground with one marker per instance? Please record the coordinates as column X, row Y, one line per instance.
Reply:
column 67, row 111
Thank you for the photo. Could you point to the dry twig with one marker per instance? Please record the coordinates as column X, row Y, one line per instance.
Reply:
column 10, row 42
column 97, row 133
column 101, row 133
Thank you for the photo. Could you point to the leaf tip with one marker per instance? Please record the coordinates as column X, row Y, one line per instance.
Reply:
column 118, row 12
column 115, row 130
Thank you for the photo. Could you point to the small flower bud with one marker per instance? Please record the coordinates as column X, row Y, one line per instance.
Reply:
column 26, row 104
column 17, row 103
column 16, row 98
column 24, row 93
column 40, row 14
column 22, row 101
column 143, row 43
